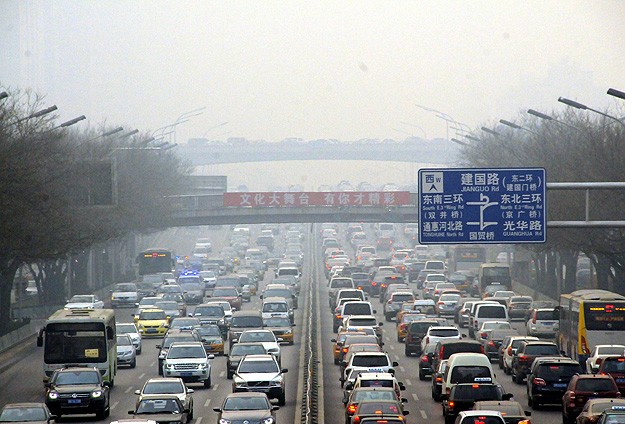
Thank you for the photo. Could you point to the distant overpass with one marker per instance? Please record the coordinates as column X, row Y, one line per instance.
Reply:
column 208, row 209
column 438, row 151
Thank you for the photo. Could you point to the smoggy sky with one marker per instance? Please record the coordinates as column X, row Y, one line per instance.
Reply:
column 311, row 69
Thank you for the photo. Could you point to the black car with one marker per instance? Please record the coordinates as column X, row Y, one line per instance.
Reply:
column 238, row 351
column 415, row 332
column 548, row 379
column 425, row 362
column 463, row 396
column 78, row 390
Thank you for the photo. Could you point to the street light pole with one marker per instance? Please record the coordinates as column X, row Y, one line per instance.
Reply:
column 516, row 127
column 549, row 118
column 37, row 114
column 581, row 106
column 491, row 132
column 616, row 93
column 71, row 122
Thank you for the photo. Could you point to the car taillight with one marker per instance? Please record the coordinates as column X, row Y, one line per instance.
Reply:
column 439, row 379
column 402, row 326
column 491, row 343
column 425, row 358
column 351, row 409
column 524, row 358
column 510, row 351
column 338, row 316
column 373, row 284
column 356, row 420
column 345, row 349
column 383, row 285
column 539, row 382
column 441, row 303
column 483, row 335
column 451, row 404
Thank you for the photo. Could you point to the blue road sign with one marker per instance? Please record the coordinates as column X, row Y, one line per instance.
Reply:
column 497, row 205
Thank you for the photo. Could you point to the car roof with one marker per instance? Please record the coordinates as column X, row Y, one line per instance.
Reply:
column 165, row 380
column 246, row 394
column 259, row 357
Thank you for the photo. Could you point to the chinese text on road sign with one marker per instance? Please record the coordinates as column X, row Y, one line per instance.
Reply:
column 303, row 199
column 482, row 206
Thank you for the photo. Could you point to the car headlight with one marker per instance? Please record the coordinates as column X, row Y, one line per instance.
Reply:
column 163, row 324
column 53, row 395
column 203, row 366
column 169, row 366
column 268, row 420
column 96, row 393
column 112, row 297
column 288, row 332
column 139, row 325
column 224, row 421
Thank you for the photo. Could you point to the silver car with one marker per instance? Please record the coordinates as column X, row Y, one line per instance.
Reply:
column 126, row 353
column 130, row 329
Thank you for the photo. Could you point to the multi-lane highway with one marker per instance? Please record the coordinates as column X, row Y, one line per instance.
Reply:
column 23, row 381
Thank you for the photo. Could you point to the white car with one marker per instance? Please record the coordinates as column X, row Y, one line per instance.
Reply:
column 131, row 329
column 84, row 301
column 266, row 338
column 189, row 361
column 436, row 334
column 545, row 322
column 599, row 352
column 510, row 350
column 488, row 326
column 260, row 373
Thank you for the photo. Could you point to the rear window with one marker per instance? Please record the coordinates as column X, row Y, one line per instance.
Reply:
column 341, row 283
column 360, row 276
column 491, row 311
column 370, row 361
column 614, row 365
column 402, row 297
column 363, row 322
column 450, row 349
column 421, row 327
column 547, row 315
column 288, row 271
column 244, row 322
column 595, row 385
column 482, row 420
column 444, row 332
column 468, row 374
column 542, row 350
column 379, row 408
column 555, row 372
column 477, row 392
column 357, row 309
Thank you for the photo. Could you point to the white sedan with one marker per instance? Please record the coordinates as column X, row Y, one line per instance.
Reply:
column 436, row 334
column 84, row 301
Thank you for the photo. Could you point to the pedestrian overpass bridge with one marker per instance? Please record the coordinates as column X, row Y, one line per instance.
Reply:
column 209, row 209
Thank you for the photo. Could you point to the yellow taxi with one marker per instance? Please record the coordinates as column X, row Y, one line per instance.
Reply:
column 282, row 328
column 211, row 339
column 402, row 325
column 338, row 344
column 152, row 322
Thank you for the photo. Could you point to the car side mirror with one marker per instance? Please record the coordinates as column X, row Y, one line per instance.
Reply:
column 107, row 384
column 217, row 409
column 137, row 392
column 380, row 324
column 404, row 400
column 211, row 356
column 395, row 363
column 275, row 408
column 131, row 412
column 349, row 386
column 507, row 396
column 595, row 370
column 402, row 386
column 47, row 384
column 563, row 353
column 528, row 413
column 406, row 412
column 190, row 391
column 375, row 311
column 284, row 370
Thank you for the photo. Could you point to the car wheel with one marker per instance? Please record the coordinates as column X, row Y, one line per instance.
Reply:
column 229, row 375
column 207, row 383
column 421, row 375
column 518, row 379
column 500, row 362
column 138, row 351
column 282, row 399
column 133, row 364
column 530, row 403
column 407, row 351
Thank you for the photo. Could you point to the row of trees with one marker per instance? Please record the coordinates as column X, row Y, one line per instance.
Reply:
column 573, row 147
column 63, row 190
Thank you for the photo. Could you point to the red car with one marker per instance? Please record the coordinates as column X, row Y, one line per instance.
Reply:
column 615, row 367
column 583, row 387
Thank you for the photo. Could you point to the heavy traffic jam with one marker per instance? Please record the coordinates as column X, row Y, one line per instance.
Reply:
column 408, row 334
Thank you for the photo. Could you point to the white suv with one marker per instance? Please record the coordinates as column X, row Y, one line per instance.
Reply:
column 260, row 373
column 189, row 362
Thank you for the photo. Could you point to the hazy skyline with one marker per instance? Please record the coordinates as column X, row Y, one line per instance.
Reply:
column 343, row 70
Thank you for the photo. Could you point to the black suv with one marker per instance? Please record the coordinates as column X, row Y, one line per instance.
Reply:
column 416, row 332
column 78, row 390
column 463, row 396
column 525, row 355
column 548, row 379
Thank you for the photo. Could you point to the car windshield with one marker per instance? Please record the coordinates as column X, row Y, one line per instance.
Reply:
column 22, row 414
column 76, row 378
column 257, row 336
column 178, row 352
column 468, row 374
column 496, row 325
column 363, row 322
column 449, row 298
column 126, row 288
column 258, row 367
column 421, row 327
column 152, row 315
column 148, row 301
column 209, row 311
column 509, row 409
column 486, row 419
column 169, row 340
column 158, row 406
column 611, row 350
column 275, row 307
column 402, row 297
column 184, row 322
column 167, row 305
column 277, row 322
column 254, row 403
column 246, row 322
column 555, row 372
column 125, row 328
column 191, row 286
column 361, row 395
column 376, row 383
column 548, row 316
column 444, row 332
column 123, row 341
column 613, row 365
column 242, row 349
column 163, row 388
column 357, row 309
column 81, row 299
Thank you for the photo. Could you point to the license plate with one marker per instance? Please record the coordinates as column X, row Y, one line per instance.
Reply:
column 560, row 385
column 151, row 330
column 549, row 323
column 73, row 401
column 186, row 374
column 620, row 380
column 375, row 370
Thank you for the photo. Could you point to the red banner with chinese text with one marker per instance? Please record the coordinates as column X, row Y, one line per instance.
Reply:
column 316, row 198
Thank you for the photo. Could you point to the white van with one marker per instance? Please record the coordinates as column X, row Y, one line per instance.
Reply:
column 488, row 312
column 467, row 368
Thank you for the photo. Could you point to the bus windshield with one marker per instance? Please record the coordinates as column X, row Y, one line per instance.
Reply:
column 75, row 342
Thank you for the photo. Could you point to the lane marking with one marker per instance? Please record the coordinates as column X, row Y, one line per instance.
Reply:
column 215, row 386
column 423, row 414
column 128, row 389
column 392, row 347
column 114, row 405
column 208, row 401
column 396, row 357
column 198, row 420
column 408, row 382
column 402, row 369
column 141, row 376
column 153, row 363
column 221, row 374
column 415, row 397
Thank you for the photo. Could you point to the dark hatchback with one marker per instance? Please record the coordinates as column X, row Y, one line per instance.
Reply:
column 583, row 387
column 425, row 362
column 463, row 396
column 415, row 332
column 548, row 380
column 615, row 367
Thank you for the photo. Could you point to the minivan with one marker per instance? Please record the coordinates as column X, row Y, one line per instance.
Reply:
column 492, row 311
column 467, row 368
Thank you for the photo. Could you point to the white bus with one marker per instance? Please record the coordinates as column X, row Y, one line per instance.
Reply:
column 80, row 337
